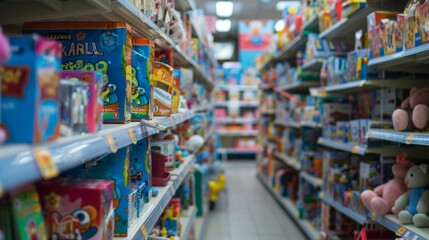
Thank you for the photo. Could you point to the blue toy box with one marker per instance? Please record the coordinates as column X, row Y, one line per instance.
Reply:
column 101, row 46
column 29, row 90
column 140, row 165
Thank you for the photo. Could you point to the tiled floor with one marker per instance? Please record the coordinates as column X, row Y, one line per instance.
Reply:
column 250, row 213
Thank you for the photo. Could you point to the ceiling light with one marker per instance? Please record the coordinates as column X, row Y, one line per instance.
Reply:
column 279, row 26
column 224, row 8
column 281, row 5
column 223, row 25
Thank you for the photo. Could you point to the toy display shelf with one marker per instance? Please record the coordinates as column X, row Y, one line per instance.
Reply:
column 289, row 52
column 238, row 87
column 352, row 214
column 156, row 205
column 360, row 85
column 313, row 66
column 243, row 133
column 236, row 151
column 200, row 222
column 392, row 223
column 236, row 120
column 300, row 87
column 292, row 124
column 209, row 134
column 315, row 181
column 410, row 60
column 310, row 124
column 187, row 221
column 312, row 24
column 290, row 161
column 206, row 107
column 409, row 138
column 203, row 41
column 347, row 27
column 69, row 152
column 239, row 103
column 347, row 147
column 291, row 209
column 100, row 10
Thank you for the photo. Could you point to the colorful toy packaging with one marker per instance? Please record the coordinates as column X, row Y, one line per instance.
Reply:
column 30, row 82
column 27, row 215
column 166, row 147
column 140, row 165
column 165, row 56
column 162, row 83
column 176, row 91
column 141, row 89
column 81, row 208
column 94, row 80
column 101, row 46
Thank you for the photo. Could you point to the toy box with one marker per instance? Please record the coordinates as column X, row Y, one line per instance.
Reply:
column 29, row 91
column 101, row 46
column 166, row 147
column 140, row 165
column 176, row 91
column 424, row 22
column 165, row 56
column 186, row 80
column 385, row 102
column 27, row 212
column 374, row 19
column 79, row 207
column 400, row 32
column 141, row 89
column 73, row 107
column 95, row 103
column 162, row 83
column 115, row 167
column 388, row 36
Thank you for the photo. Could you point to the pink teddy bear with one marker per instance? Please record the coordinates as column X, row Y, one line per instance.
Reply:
column 381, row 200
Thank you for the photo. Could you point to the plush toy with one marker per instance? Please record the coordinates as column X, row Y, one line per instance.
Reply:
column 414, row 111
column 413, row 206
column 195, row 143
column 382, row 199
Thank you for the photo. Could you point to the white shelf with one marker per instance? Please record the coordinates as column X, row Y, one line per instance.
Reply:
column 409, row 138
column 357, row 217
column 235, row 120
column 187, row 220
column 237, row 103
column 315, row 181
column 238, row 87
column 313, row 66
column 311, row 124
column 156, row 206
column 290, row 161
column 242, row 133
column 347, row 27
column 301, row 87
column 392, row 223
column 70, row 152
column 236, row 151
column 203, row 108
column 289, row 52
column 292, row 211
column 288, row 124
column 347, row 147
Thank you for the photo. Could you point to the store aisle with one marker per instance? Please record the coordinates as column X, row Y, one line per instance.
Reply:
column 251, row 213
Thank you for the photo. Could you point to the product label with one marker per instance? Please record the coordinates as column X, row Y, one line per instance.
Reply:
column 162, row 102
column 14, row 80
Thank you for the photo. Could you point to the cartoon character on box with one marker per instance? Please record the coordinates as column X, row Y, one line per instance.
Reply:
column 101, row 46
column 424, row 21
column 30, row 82
column 78, row 209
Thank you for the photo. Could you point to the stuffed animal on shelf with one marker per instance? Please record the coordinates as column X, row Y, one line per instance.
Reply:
column 382, row 199
column 413, row 206
column 414, row 111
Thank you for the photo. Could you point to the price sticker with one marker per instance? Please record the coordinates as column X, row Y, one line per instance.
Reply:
column 401, row 231
column 44, row 162
column 112, row 144
column 409, row 139
column 373, row 216
column 355, row 149
column 132, row 136
column 144, row 231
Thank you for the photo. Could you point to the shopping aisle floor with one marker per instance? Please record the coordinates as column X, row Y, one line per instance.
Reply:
column 251, row 212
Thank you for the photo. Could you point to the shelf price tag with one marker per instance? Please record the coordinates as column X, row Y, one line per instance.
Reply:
column 409, row 139
column 112, row 144
column 132, row 136
column 401, row 231
column 44, row 162
column 144, row 231
column 355, row 149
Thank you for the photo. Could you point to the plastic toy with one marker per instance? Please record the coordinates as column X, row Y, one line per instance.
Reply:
column 414, row 111
column 30, row 81
column 195, row 143
column 413, row 205
column 82, row 207
column 215, row 187
column 159, row 176
column 382, row 199
column 101, row 46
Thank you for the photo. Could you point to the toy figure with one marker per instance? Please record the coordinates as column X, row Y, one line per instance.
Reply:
column 413, row 205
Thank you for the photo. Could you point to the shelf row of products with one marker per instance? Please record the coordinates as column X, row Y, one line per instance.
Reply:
column 351, row 170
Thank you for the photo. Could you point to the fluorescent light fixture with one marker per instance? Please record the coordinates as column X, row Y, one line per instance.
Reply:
column 224, row 8
column 280, row 25
column 281, row 5
column 223, row 25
